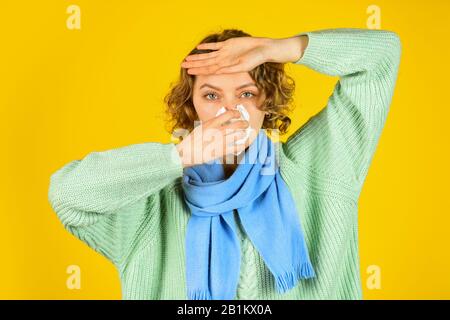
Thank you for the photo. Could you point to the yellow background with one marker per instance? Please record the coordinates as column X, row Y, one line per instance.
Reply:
column 65, row 93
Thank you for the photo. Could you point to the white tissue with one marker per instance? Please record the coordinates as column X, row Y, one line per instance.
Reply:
column 244, row 116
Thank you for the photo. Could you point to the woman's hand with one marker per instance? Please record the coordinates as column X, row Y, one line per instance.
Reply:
column 213, row 139
column 242, row 54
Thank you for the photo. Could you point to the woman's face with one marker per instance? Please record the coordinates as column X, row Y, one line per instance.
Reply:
column 211, row 92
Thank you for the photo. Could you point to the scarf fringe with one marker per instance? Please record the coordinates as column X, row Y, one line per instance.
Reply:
column 288, row 280
column 199, row 295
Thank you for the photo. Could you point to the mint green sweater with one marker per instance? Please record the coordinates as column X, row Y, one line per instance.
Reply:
column 127, row 203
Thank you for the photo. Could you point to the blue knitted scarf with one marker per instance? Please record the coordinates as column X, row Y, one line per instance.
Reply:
column 267, row 212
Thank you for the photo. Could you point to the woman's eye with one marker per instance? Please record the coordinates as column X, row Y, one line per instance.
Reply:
column 213, row 96
column 208, row 95
column 249, row 93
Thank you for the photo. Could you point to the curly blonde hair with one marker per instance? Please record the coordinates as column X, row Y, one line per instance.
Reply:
column 269, row 77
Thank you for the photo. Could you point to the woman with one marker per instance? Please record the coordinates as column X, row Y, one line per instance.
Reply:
column 177, row 227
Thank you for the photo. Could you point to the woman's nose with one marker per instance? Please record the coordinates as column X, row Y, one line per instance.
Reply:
column 230, row 106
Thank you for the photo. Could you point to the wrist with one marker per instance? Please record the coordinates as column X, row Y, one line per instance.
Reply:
column 285, row 50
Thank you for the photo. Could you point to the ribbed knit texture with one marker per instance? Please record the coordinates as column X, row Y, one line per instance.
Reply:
column 127, row 204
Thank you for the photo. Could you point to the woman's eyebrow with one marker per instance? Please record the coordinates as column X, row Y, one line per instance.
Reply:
column 246, row 85
column 209, row 85
column 218, row 89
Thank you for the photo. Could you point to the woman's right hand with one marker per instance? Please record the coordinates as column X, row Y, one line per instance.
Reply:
column 213, row 139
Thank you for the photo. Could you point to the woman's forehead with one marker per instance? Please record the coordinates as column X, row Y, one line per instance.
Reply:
column 224, row 81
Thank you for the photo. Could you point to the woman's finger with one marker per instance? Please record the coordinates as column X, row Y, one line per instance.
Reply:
column 242, row 64
column 237, row 133
column 230, row 69
column 236, row 125
column 199, row 63
column 211, row 45
column 223, row 118
column 203, row 70
column 201, row 56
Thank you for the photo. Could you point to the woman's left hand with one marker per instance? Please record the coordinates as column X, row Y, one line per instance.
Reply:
column 242, row 54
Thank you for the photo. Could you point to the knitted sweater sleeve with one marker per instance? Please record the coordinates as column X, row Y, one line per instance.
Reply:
column 340, row 140
column 89, row 195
